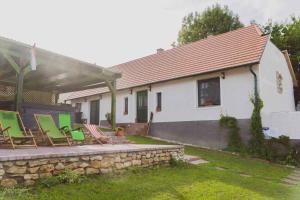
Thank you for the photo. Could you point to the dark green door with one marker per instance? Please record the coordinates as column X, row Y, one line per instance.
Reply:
column 94, row 112
column 142, row 106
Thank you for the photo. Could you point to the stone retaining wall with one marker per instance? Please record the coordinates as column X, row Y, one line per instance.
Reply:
column 27, row 171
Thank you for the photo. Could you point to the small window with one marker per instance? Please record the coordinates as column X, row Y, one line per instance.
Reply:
column 209, row 92
column 126, row 106
column 78, row 107
column 279, row 82
column 158, row 102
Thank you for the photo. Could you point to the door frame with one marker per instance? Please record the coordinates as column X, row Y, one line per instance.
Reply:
column 137, row 96
column 98, row 113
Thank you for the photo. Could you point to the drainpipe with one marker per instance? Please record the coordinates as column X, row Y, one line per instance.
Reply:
column 255, row 81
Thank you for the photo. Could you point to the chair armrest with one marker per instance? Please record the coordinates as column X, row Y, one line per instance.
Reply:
column 62, row 128
column 6, row 129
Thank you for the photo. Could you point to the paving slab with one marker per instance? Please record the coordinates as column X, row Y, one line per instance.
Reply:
column 290, row 181
column 194, row 160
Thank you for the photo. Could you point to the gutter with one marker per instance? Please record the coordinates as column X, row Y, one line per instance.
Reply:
column 255, row 80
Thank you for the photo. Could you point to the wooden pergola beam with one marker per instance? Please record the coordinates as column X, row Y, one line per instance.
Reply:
column 113, row 90
column 11, row 61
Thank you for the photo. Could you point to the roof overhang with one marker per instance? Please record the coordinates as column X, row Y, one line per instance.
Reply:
column 55, row 72
column 291, row 69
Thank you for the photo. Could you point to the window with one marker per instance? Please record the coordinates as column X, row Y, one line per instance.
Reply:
column 279, row 82
column 126, row 106
column 158, row 102
column 78, row 107
column 209, row 92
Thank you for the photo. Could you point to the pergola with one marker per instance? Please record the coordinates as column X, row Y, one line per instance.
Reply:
column 54, row 73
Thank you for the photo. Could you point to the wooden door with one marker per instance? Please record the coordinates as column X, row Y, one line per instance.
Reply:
column 94, row 112
column 142, row 106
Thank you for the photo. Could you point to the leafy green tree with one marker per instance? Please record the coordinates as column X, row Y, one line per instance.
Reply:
column 214, row 20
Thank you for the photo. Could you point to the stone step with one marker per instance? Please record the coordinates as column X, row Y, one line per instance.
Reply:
column 293, row 177
column 195, row 160
column 296, row 173
column 290, row 181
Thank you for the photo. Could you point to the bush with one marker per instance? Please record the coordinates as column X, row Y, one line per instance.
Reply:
column 177, row 162
column 67, row 177
column 234, row 141
column 257, row 144
column 280, row 150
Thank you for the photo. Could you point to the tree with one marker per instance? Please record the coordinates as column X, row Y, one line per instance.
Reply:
column 286, row 36
column 214, row 20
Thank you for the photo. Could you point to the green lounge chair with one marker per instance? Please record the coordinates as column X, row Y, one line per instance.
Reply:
column 48, row 127
column 65, row 125
column 12, row 129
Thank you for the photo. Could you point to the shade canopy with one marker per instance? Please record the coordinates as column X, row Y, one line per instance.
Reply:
column 54, row 72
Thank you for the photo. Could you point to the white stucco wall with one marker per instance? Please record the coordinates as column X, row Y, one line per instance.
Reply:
column 179, row 99
column 273, row 61
column 278, row 113
column 283, row 123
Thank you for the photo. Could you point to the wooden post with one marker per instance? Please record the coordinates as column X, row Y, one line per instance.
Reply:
column 19, row 95
column 113, row 91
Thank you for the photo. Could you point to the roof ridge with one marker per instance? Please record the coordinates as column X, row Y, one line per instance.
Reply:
column 189, row 44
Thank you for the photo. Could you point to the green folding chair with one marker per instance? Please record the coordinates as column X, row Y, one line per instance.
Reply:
column 48, row 127
column 65, row 125
column 12, row 129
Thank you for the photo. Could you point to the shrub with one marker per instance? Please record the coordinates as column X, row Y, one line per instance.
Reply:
column 177, row 162
column 69, row 176
column 280, row 150
column 234, row 141
column 256, row 144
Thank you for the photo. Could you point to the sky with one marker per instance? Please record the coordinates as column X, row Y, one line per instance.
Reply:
column 110, row 32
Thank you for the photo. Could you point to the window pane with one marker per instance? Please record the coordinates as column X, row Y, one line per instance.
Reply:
column 126, row 105
column 158, row 100
column 209, row 92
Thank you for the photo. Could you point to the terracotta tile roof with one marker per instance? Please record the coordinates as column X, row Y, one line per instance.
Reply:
column 240, row 47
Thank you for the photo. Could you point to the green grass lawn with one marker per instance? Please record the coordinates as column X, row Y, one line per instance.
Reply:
column 183, row 182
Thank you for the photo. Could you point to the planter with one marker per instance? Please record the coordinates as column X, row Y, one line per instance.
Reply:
column 120, row 131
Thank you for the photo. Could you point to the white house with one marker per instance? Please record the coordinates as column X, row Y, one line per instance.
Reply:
column 187, row 89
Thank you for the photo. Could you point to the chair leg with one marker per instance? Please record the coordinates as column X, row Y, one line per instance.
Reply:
column 34, row 142
column 12, row 142
column 68, row 141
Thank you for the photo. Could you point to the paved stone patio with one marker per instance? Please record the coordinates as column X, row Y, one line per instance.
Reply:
column 68, row 151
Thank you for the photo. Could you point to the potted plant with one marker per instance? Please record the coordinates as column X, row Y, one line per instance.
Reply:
column 120, row 131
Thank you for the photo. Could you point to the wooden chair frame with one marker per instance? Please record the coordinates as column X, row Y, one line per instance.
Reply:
column 4, row 133
column 44, row 133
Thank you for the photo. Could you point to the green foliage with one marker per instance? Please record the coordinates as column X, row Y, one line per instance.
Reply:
column 12, row 193
column 234, row 141
column 69, row 176
column 280, row 150
column 256, row 144
column 286, row 36
column 214, row 20
column 66, row 177
column 178, row 162
column 108, row 118
column 48, row 181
